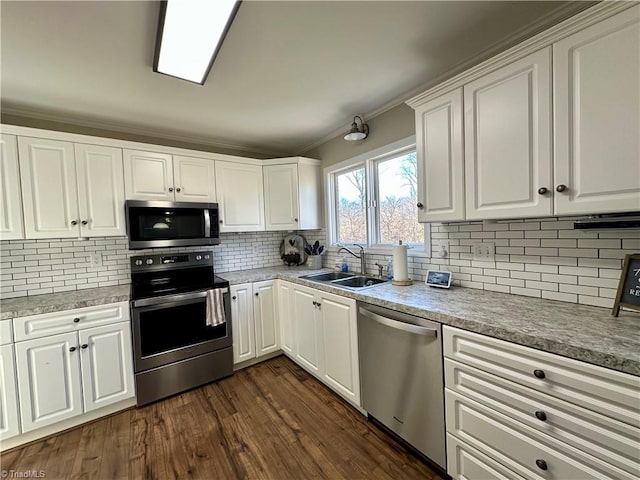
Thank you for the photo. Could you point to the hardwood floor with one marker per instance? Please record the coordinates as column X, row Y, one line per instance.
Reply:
column 269, row 421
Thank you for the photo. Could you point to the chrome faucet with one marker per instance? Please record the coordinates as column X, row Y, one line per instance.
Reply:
column 363, row 263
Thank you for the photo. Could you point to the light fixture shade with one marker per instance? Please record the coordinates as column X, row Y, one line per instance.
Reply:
column 190, row 33
column 357, row 133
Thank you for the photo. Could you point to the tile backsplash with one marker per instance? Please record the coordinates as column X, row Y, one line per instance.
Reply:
column 33, row 267
column 544, row 258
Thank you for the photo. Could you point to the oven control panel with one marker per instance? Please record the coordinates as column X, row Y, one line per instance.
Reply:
column 163, row 262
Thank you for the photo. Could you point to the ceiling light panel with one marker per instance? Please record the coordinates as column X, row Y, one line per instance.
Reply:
column 192, row 32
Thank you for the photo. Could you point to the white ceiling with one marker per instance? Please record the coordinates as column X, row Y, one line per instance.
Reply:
column 289, row 74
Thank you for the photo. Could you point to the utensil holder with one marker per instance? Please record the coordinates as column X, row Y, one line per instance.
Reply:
column 315, row 262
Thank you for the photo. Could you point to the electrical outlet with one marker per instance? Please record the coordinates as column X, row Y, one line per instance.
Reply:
column 442, row 249
column 483, row 251
column 95, row 259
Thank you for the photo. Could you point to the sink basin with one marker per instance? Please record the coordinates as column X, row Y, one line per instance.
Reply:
column 359, row 282
column 345, row 280
column 327, row 277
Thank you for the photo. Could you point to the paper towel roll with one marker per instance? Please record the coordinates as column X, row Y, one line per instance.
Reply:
column 400, row 264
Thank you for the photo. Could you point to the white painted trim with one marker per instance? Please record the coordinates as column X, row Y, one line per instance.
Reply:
column 568, row 27
column 371, row 155
column 291, row 160
column 66, row 424
column 113, row 142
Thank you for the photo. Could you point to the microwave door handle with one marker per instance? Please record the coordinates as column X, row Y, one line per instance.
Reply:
column 207, row 223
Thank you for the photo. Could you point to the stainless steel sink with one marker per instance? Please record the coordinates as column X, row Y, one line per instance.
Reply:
column 345, row 280
column 327, row 277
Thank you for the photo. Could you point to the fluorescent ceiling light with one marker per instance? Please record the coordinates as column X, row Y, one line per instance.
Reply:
column 190, row 33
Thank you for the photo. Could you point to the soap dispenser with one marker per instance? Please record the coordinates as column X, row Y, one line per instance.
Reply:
column 345, row 265
column 389, row 268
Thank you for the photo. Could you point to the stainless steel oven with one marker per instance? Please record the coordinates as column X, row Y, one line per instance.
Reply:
column 174, row 347
column 152, row 224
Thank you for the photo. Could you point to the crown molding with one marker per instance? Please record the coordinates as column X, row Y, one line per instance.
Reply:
column 544, row 39
column 558, row 14
column 71, row 121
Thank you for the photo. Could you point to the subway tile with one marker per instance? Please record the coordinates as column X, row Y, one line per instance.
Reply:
column 526, row 275
column 542, row 285
column 613, row 253
column 525, row 226
column 524, row 242
column 541, row 268
column 595, row 301
column 510, row 266
column 510, row 250
column 510, row 234
column 483, row 279
column 598, row 282
column 559, row 242
column 541, row 251
column 580, row 271
column 600, row 263
column 563, row 297
column 579, row 234
column 609, row 273
column 514, row 282
column 541, row 234
column 578, row 252
column 607, row 292
column 497, row 288
column 567, row 261
column 529, row 292
column 496, row 273
column 566, row 279
column 599, row 243
column 579, row 289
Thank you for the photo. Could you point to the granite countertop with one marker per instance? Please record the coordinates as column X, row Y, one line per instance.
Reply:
column 580, row 332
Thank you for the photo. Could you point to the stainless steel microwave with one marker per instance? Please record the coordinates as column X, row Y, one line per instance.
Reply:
column 152, row 224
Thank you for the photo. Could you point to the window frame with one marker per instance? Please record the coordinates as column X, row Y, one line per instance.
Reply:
column 369, row 161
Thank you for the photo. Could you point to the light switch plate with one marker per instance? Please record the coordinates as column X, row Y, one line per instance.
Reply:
column 483, row 251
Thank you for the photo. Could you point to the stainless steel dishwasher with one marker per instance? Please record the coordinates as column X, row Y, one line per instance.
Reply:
column 401, row 377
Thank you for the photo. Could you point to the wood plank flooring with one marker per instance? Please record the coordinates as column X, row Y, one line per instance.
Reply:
column 269, row 421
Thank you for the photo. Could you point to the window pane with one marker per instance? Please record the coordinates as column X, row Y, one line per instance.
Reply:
column 351, row 198
column 397, row 194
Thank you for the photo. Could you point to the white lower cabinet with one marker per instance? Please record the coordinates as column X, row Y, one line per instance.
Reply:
column 9, row 417
column 254, row 320
column 68, row 374
column 285, row 296
column 323, row 327
column 517, row 412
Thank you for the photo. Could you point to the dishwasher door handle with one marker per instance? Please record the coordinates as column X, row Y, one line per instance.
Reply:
column 405, row 327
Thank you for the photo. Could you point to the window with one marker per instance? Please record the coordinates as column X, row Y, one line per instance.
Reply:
column 372, row 199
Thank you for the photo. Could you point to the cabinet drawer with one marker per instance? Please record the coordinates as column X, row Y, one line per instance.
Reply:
column 614, row 394
column 521, row 447
column 603, row 437
column 465, row 462
column 6, row 332
column 43, row 325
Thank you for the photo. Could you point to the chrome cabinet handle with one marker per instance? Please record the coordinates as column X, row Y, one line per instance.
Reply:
column 405, row 327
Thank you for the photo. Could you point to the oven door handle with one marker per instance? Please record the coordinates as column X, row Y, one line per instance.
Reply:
column 147, row 302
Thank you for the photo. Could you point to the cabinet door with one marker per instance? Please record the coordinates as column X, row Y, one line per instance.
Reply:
column 9, row 423
column 265, row 316
column 597, row 117
column 107, row 365
column 285, row 309
column 307, row 329
column 242, row 324
column 48, row 380
column 465, row 462
column 240, row 197
column 281, row 196
column 508, row 140
column 340, row 345
column 194, row 179
column 49, row 188
column 11, row 225
column 100, row 190
column 148, row 175
column 439, row 145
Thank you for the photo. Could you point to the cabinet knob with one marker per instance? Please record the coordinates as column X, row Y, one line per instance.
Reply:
column 539, row 373
column 295, row 219
column 84, row 346
column 76, row 320
column 540, row 415
column 72, row 349
column 542, row 465
column 561, row 188
column 419, row 205
column 74, row 222
column 257, row 294
column 221, row 221
column 178, row 189
column 84, row 222
column 543, row 190
column 171, row 189
column 233, row 298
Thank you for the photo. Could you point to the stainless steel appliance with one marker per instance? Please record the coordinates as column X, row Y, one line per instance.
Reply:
column 402, row 377
column 174, row 348
column 171, row 224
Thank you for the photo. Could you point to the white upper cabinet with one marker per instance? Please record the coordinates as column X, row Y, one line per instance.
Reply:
column 194, row 179
column 148, row 175
column 292, row 194
column 71, row 190
column 100, row 190
column 49, row 188
column 439, row 145
column 508, row 140
column 240, row 196
column 597, row 117
column 11, row 225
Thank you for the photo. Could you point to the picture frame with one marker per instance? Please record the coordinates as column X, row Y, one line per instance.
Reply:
column 628, row 294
